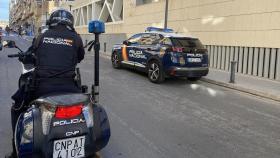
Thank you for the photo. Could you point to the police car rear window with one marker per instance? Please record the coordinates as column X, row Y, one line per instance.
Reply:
column 186, row 42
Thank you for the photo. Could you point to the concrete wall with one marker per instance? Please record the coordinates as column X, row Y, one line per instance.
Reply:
column 106, row 41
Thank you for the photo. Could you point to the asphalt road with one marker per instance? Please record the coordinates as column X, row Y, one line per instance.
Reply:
column 176, row 119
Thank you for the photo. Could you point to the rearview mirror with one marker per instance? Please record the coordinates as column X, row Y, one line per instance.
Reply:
column 8, row 44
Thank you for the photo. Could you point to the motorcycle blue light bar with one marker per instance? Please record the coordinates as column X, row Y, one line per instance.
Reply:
column 96, row 27
column 156, row 29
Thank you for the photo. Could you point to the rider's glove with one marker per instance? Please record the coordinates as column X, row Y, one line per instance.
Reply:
column 27, row 59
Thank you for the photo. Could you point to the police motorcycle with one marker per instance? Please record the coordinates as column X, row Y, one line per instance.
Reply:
column 68, row 125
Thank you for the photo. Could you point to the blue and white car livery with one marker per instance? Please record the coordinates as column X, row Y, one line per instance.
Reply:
column 162, row 53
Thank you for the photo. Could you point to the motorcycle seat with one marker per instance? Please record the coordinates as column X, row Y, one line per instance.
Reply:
column 64, row 99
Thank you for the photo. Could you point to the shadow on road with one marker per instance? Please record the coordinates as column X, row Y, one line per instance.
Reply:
column 168, row 81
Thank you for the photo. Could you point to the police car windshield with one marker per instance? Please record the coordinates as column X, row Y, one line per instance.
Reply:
column 187, row 42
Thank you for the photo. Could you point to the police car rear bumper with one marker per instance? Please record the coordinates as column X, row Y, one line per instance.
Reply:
column 188, row 72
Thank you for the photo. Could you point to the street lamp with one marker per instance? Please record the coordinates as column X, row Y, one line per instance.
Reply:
column 166, row 14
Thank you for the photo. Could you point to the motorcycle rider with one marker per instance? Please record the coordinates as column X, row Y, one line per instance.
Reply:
column 55, row 54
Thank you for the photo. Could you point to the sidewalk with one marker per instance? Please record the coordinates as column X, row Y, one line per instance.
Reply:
column 249, row 84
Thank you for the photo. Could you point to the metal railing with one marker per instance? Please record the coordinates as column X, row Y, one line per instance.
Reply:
column 254, row 61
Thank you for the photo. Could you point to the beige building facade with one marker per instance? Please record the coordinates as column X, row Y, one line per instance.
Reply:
column 30, row 14
column 4, row 23
column 253, row 23
column 246, row 31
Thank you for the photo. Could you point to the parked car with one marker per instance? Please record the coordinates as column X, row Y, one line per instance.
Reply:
column 162, row 53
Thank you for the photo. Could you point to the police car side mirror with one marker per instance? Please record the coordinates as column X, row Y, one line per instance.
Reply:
column 126, row 42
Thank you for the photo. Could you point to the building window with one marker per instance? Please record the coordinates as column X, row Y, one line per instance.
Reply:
column 108, row 11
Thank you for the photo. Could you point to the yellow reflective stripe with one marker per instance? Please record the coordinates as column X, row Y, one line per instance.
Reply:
column 124, row 53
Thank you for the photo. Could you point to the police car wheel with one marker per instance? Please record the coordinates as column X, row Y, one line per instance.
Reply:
column 116, row 61
column 155, row 72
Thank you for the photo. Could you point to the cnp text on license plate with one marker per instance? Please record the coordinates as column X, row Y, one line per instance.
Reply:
column 194, row 60
column 69, row 148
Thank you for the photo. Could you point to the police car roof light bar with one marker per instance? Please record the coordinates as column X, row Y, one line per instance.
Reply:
column 156, row 29
column 96, row 27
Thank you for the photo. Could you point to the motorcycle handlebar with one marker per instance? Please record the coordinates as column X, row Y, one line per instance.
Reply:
column 14, row 55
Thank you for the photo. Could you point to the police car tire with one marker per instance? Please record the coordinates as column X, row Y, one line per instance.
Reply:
column 116, row 65
column 160, row 77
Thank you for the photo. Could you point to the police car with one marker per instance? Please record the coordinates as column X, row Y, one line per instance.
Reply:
column 162, row 53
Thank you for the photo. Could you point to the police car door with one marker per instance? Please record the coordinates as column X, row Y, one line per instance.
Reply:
column 145, row 49
column 128, row 51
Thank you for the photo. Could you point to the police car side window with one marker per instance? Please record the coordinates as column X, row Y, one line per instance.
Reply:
column 149, row 39
column 135, row 39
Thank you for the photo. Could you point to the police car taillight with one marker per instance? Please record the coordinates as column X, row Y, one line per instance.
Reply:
column 177, row 49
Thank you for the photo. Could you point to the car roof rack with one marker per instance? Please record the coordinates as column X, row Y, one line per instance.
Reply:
column 156, row 29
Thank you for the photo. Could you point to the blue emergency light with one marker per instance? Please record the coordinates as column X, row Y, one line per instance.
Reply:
column 156, row 29
column 96, row 27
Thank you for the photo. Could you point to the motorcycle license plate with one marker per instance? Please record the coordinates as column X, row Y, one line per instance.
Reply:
column 69, row 148
column 194, row 60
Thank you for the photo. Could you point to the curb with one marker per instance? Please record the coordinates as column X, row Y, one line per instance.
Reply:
column 242, row 89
